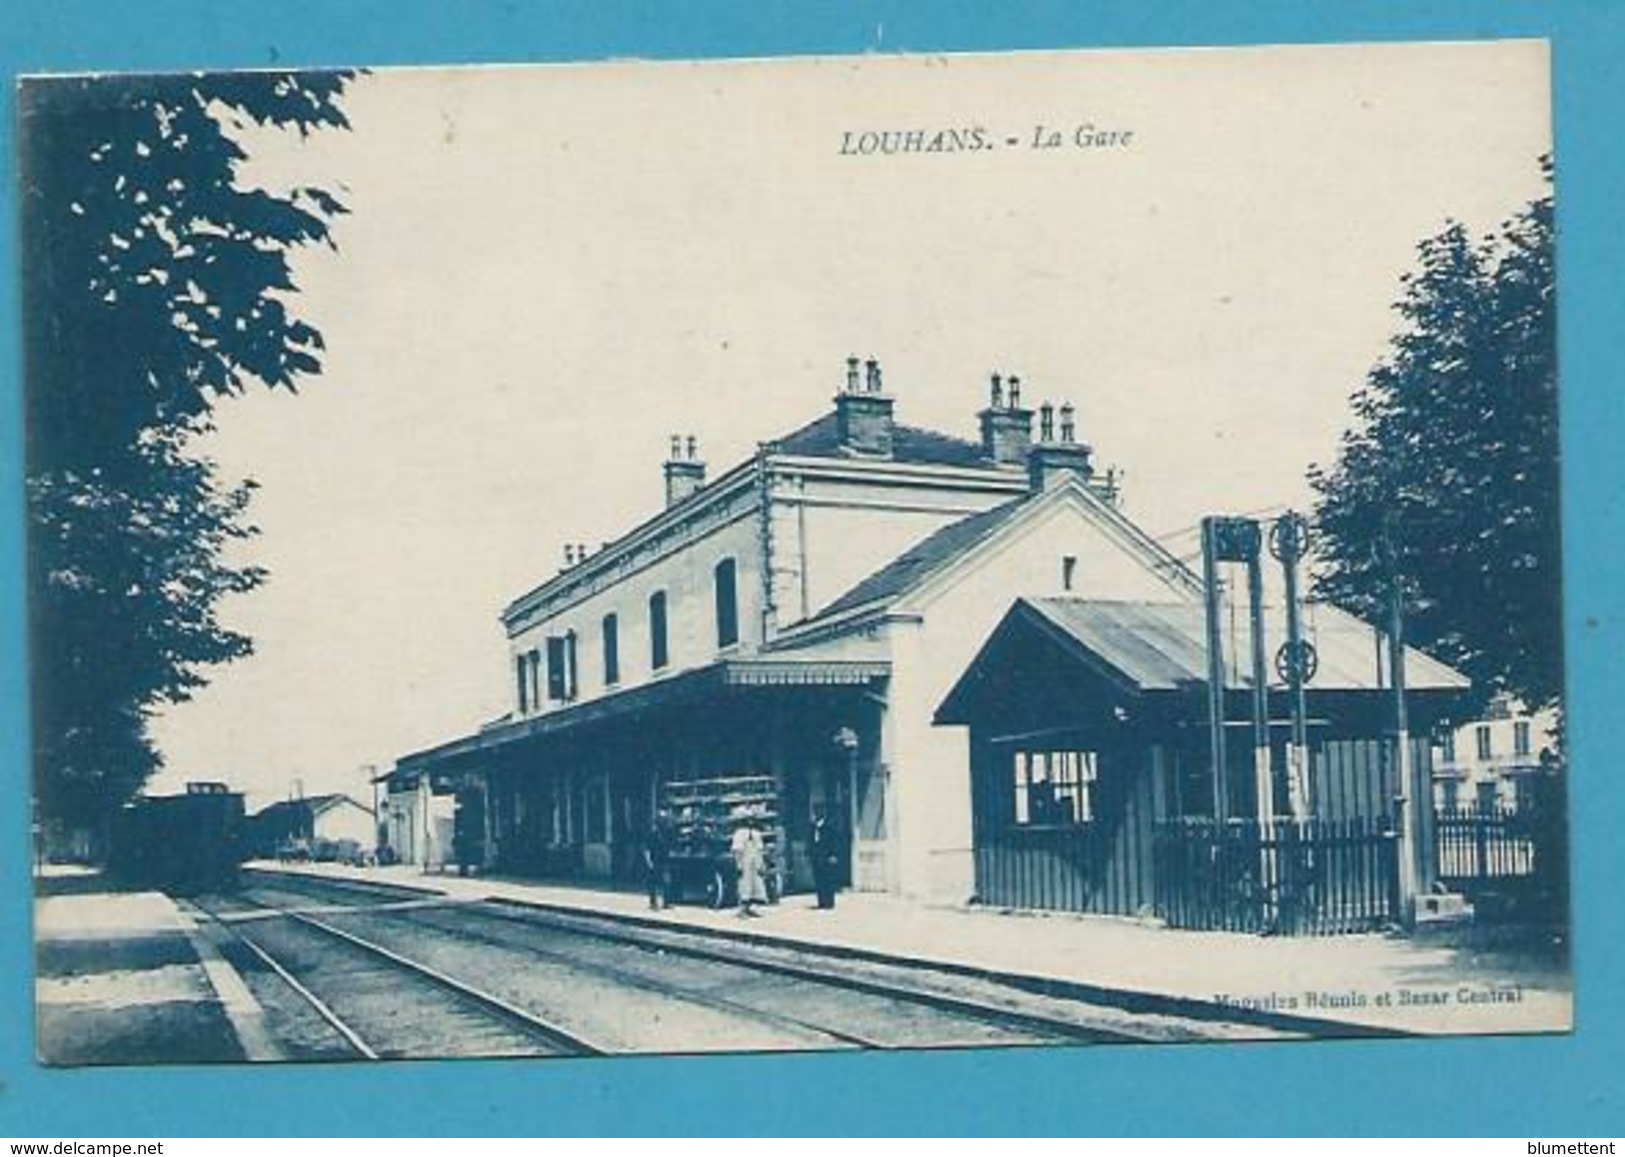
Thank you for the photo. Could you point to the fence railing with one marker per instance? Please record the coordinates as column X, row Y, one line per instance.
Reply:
column 1288, row 877
column 1478, row 845
column 1071, row 868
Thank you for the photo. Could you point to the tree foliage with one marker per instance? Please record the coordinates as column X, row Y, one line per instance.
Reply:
column 1452, row 464
column 157, row 283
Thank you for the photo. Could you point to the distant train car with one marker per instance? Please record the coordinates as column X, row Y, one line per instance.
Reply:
column 181, row 844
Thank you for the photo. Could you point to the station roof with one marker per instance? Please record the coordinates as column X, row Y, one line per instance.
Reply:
column 821, row 438
column 1146, row 647
column 911, row 567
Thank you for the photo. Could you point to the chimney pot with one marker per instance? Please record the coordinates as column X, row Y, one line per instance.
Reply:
column 569, row 555
column 684, row 471
column 1007, row 429
column 852, row 375
column 1053, row 460
column 863, row 418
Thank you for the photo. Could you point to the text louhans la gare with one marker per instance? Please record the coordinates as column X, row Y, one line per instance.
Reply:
column 1042, row 137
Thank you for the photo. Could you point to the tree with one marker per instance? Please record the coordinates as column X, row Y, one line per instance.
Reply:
column 1449, row 476
column 156, row 284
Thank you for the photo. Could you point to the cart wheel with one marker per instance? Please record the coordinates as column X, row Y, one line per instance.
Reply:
column 716, row 889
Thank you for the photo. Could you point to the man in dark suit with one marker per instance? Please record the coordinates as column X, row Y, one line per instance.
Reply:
column 826, row 858
column 656, row 859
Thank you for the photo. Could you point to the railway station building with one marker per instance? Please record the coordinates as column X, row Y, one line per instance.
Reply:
column 907, row 629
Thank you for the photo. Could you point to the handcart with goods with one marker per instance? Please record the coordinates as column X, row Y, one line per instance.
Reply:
column 704, row 815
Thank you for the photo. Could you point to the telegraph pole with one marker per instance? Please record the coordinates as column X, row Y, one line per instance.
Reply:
column 1404, row 803
column 1264, row 783
column 1215, row 662
column 1289, row 541
column 1236, row 540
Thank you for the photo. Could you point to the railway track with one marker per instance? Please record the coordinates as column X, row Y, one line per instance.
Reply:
column 830, row 1003
column 634, row 987
column 641, row 970
column 381, row 1003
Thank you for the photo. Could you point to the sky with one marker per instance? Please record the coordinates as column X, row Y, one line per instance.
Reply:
column 546, row 271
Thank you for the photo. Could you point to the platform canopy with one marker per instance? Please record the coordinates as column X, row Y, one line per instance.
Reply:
column 697, row 687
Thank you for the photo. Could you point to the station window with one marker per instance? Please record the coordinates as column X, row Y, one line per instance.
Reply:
column 1520, row 738
column 561, row 667
column 1055, row 787
column 528, row 677
column 1485, row 749
column 659, row 656
column 612, row 650
column 1450, row 747
column 727, row 604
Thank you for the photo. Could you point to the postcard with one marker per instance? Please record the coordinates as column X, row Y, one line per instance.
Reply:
column 888, row 552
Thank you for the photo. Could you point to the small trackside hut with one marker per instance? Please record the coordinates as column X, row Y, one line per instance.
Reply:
column 1093, row 785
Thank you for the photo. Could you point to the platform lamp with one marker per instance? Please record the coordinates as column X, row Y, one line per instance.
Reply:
column 846, row 740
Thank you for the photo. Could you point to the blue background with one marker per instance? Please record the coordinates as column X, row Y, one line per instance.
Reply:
column 1532, row 1087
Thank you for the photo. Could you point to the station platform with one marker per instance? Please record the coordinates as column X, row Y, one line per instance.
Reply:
column 121, row 978
column 1464, row 981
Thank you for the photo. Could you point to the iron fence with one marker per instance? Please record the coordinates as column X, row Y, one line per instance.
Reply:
column 1286, row 877
column 1478, row 845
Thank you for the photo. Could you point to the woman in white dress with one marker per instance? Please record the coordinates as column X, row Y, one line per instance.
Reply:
column 750, row 862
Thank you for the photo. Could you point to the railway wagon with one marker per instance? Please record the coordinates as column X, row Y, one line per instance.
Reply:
column 180, row 844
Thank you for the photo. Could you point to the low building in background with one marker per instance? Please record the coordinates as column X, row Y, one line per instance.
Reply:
column 323, row 827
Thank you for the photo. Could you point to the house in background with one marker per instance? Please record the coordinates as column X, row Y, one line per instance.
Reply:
column 1494, row 762
column 314, row 824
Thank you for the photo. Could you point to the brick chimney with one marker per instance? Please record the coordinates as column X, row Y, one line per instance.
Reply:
column 685, row 473
column 863, row 412
column 1058, row 456
column 1007, row 428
